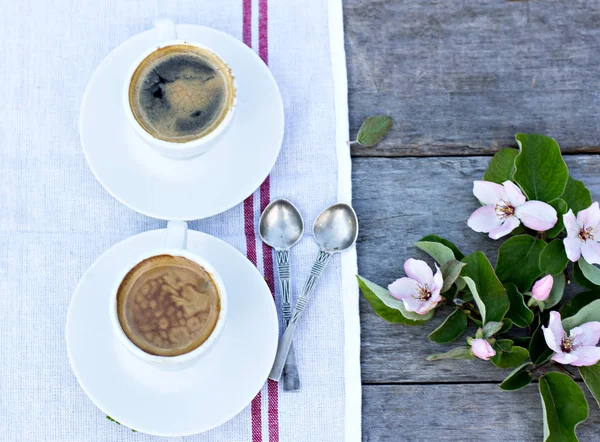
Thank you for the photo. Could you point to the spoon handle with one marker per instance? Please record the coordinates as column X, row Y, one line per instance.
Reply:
column 286, row 340
column 291, row 379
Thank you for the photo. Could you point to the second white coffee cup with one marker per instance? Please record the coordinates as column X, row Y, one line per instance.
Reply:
column 175, row 245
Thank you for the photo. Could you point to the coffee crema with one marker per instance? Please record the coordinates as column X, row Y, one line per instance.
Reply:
column 168, row 305
column 180, row 93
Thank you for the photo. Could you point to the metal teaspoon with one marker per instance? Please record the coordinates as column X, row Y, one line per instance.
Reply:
column 281, row 227
column 335, row 230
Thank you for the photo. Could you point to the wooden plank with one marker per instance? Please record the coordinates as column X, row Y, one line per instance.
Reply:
column 480, row 412
column 461, row 79
column 398, row 200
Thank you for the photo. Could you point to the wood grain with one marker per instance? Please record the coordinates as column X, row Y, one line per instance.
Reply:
column 399, row 200
column 474, row 413
column 462, row 78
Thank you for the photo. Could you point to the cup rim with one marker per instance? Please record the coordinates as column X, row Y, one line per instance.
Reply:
column 186, row 357
column 171, row 145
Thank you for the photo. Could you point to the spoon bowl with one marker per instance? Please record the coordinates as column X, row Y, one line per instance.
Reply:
column 281, row 225
column 336, row 228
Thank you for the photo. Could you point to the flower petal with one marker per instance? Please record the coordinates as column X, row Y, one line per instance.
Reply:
column 587, row 334
column 564, row 358
column 541, row 288
column 482, row 349
column 586, row 356
column 537, row 215
column 412, row 304
column 438, row 281
column 419, row 271
column 403, row 288
column 510, row 224
column 513, row 193
column 555, row 333
column 488, row 192
column 571, row 224
column 484, row 219
column 428, row 305
column 573, row 248
column 551, row 341
column 589, row 217
column 591, row 251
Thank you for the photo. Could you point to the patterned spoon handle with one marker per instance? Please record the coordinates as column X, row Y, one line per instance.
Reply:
column 286, row 340
column 291, row 379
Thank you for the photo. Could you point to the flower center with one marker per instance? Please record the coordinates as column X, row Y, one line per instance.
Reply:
column 586, row 233
column 423, row 293
column 504, row 209
column 567, row 345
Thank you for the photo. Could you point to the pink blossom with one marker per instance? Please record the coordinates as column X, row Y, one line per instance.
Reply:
column 420, row 292
column 579, row 348
column 583, row 234
column 542, row 287
column 505, row 208
column 482, row 349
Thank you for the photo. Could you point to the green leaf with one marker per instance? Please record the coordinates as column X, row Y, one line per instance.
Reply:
column 590, row 271
column 454, row 326
column 591, row 377
column 518, row 378
column 553, row 258
column 444, row 241
column 509, row 359
column 506, row 326
column 117, row 422
column 504, row 344
column 576, row 195
column 564, row 407
column 450, row 272
column 590, row 312
column 561, row 208
column 388, row 307
column 455, row 353
column 539, row 352
column 518, row 312
column 491, row 328
column 488, row 292
column 518, row 261
column 580, row 279
column 539, row 168
column 578, row 302
column 557, row 291
column 502, row 165
column 373, row 130
column 437, row 251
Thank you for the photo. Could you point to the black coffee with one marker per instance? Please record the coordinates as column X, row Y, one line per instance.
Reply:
column 181, row 93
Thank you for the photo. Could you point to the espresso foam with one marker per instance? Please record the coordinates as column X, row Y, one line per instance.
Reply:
column 167, row 305
column 181, row 93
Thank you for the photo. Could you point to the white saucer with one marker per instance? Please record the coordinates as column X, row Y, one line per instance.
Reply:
column 179, row 402
column 200, row 187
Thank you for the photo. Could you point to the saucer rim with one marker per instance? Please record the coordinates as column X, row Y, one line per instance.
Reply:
column 100, row 403
column 187, row 214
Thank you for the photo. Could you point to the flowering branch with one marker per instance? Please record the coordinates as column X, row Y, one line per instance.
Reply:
column 554, row 231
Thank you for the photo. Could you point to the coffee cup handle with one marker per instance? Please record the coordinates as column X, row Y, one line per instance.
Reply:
column 165, row 28
column 176, row 235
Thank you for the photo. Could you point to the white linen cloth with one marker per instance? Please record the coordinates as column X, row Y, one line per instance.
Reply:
column 56, row 219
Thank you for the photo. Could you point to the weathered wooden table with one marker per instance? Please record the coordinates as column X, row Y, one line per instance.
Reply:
column 460, row 78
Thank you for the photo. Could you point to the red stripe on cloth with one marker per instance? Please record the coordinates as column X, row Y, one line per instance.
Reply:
column 249, row 230
column 247, row 22
column 263, row 30
column 265, row 198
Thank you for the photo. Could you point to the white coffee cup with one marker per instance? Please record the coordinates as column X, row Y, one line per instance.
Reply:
column 167, row 35
column 175, row 245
